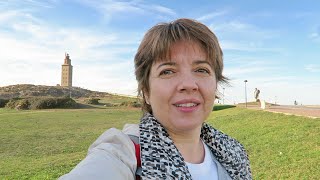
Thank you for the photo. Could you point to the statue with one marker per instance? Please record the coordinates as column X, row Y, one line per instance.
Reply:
column 67, row 59
column 256, row 94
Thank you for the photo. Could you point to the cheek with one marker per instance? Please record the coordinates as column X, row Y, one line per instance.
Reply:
column 159, row 92
column 209, row 92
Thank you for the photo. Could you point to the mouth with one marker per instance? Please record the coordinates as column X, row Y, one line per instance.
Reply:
column 187, row 105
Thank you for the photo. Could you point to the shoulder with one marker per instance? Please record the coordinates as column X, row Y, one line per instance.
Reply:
column 112, row 152
column 116, row 137
column 230, row 153
column 131, row 129
column 230, row 144
column 237, row 155
column 220, row 139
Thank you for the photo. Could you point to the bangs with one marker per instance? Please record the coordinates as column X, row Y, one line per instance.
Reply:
column 168, row 35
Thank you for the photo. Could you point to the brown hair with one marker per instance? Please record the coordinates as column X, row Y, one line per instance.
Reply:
column 156, row 44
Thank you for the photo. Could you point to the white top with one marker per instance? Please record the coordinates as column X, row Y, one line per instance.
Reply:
column 205, row 170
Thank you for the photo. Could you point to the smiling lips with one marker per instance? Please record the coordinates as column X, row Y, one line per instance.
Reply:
column 187, row 105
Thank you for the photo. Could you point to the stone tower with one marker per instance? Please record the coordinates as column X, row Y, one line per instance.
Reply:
column 66, row 74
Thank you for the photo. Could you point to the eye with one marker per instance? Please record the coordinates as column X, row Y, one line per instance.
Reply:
column 203, row 70
column 166, row 72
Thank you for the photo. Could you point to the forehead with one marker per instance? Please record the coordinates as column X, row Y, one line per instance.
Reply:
column 182, row 47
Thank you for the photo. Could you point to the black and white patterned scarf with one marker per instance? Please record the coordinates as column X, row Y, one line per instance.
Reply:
column 161, row 159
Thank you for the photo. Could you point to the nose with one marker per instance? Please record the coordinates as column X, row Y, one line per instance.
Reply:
column 187, row 83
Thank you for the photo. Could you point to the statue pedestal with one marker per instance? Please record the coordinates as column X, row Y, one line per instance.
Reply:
column 263, row 104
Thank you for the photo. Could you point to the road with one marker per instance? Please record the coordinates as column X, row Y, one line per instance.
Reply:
column 308, row 111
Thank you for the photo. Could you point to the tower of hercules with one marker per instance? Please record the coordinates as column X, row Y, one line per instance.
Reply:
column 66, row 74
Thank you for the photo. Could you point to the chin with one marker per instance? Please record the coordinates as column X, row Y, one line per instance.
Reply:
column 186, row 125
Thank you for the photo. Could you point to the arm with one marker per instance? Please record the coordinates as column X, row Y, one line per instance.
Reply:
column 111, row 156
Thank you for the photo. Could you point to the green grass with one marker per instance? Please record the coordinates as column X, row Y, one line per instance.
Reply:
column 279, row 146
column 48, row 143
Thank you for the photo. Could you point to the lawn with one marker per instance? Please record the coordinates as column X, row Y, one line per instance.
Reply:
column 279, row 146
column 48, row 143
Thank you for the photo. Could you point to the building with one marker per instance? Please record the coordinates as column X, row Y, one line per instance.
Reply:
column 66, row 74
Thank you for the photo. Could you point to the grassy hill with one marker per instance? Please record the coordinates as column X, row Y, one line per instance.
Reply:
column 30, row 90
column 44, row 144
column 35, row 93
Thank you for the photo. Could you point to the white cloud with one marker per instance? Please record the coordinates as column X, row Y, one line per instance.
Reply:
column 111, row 8
column 115, row 78
column 248, row 46
column 212, row 15
column 5, row 16
column 315, row 36
column 242, row 30
column 27, row 4
column 312, row 68
column 249, row 69
column 32, row 51
column 279, row 89
column 160, row 9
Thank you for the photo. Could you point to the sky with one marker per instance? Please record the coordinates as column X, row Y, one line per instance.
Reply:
column 274, row 45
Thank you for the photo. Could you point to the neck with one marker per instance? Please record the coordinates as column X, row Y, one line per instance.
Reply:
column 189, row 145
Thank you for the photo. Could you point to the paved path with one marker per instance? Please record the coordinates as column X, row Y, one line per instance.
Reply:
column 308, row 111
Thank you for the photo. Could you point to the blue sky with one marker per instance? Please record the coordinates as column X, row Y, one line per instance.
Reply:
column 275, row 45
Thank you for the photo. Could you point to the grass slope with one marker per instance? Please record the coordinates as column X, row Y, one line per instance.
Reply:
column 279, row 146
column 48, row 143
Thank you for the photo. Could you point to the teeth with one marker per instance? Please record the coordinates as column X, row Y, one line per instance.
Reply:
column 186, row 105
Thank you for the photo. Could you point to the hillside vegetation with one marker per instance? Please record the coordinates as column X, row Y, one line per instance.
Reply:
column 44, row 144
column 30, row 90
column 28, row 96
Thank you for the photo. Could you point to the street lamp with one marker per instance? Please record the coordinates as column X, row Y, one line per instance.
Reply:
column 245, row 90
column 223, row 95
column 70, row 89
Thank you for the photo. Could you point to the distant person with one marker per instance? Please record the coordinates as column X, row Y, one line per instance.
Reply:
column 256, row 94
column 178, row 66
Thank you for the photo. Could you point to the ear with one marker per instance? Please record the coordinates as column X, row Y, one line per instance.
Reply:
column 146, row 97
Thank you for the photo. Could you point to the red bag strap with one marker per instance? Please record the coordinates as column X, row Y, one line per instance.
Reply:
column 135, row 141
column 137, row 147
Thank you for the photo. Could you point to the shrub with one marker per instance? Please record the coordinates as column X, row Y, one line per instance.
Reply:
column 94, row 101
column 41, row 103
column 20, row 104
column 51, row 103
column 131, row 104
column 3, row 102
column 136, row 104
column 67, row 103
column 108, row 105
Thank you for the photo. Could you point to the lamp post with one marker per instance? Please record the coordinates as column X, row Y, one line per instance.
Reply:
column 70, row 91
column 245, row 90
column 223, row 95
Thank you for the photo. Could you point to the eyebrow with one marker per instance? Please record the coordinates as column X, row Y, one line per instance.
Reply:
column 173, row 63
column 166, row 64
column 201, row 62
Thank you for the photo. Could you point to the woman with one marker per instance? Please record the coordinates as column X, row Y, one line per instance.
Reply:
column 178, row 66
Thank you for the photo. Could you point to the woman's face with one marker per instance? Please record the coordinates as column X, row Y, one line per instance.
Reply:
column 182, row 89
